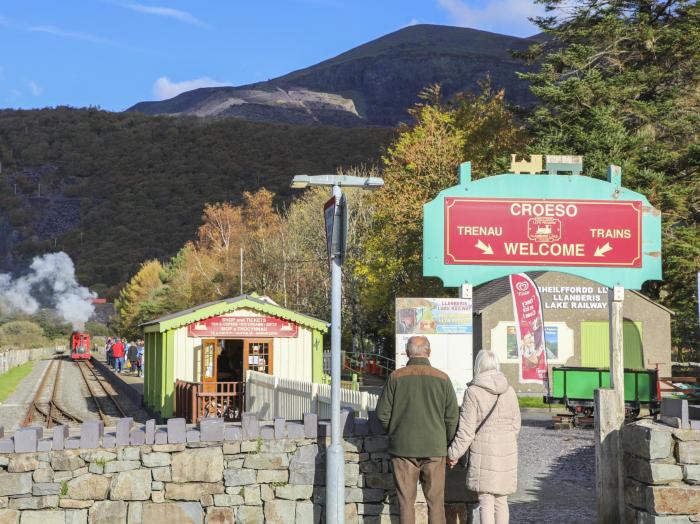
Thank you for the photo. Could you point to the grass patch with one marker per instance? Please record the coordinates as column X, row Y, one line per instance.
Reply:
column 12, row 378
column 531, row 402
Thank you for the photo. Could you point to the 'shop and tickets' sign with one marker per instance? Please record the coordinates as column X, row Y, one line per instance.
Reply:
column 243, row 327
column 529, row 328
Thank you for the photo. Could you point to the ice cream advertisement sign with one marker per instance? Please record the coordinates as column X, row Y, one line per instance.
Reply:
column 529, row 327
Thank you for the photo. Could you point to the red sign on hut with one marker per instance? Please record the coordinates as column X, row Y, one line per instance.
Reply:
column 243, row 327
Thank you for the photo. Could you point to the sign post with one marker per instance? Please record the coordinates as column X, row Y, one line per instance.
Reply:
column 497, row 226
column 335, row 216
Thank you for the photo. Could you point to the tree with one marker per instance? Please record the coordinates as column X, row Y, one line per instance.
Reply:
column 262, row 223
column 139, row 300
column 420, row 163
column 619, row 83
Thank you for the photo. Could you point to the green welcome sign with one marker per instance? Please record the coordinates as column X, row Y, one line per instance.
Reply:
column 486, row 229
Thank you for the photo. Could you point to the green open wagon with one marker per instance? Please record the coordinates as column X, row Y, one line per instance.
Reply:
column 574, row 386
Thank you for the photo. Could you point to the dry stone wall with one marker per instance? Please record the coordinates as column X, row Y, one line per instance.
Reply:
column 11, row 358
column 662, row 467
column 250, row 472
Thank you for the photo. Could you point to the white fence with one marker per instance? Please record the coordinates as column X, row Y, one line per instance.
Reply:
column 272, row 397
column 16, row 357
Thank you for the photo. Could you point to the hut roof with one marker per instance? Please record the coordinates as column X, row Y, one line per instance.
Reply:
column 226, row 305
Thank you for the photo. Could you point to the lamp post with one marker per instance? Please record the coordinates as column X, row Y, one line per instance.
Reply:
column 335, row 462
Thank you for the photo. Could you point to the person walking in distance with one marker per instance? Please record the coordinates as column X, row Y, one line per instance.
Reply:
column 489, row 424
column 139, row 358
column 118, row 355
column 132, row 354
column 418, row 409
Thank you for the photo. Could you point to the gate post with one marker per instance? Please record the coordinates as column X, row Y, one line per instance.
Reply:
column 609, row 479
column 314, row 398
column 609, row 419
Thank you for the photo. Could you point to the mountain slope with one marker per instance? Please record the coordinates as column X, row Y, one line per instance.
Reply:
column 372, row 84
column 114, row 189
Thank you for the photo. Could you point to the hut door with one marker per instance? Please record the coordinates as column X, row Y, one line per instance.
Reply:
column 257, row 355
column 209, row 371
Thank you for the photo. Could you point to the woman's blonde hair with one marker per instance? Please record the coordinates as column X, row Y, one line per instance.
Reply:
column 486, row 360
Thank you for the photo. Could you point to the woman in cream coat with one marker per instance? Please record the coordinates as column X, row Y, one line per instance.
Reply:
column 493, row 452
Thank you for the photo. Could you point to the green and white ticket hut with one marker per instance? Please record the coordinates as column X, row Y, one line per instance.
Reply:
column 207, row 350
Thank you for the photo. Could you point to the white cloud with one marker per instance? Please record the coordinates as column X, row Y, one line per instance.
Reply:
column 35, row 88
column 500, row 16
column 169, row 12
column 57, row 31
column 164, row 88
column 413, row 21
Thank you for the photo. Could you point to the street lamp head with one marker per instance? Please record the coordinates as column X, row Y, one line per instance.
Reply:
column 304, row 181
column 300, row 182
column 373, row 183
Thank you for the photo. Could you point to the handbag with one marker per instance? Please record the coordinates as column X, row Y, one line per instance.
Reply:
column 464, row 459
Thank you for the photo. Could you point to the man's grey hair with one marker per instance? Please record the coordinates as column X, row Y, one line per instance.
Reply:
column 418, row 346
column 486, row 360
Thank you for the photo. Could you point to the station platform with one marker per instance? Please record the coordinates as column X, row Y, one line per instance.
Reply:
column 126, row 382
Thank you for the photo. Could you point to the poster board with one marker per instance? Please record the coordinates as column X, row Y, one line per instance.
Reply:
column 447, row 323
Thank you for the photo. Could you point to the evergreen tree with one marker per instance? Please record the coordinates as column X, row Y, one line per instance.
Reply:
column 619, row 83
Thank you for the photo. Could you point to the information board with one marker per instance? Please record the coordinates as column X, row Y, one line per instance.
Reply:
column 447, row 323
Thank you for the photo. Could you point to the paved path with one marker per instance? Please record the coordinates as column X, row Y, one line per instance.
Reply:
column 127, row 376
column 556, row 476
column 14, row 408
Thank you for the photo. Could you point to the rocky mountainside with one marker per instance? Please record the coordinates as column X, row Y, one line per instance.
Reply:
column 372, row 84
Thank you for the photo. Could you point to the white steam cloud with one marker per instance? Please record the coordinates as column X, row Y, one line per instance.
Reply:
column 50, row 282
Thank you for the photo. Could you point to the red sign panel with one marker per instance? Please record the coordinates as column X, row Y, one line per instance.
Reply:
column 243, row 327
column 490, row 231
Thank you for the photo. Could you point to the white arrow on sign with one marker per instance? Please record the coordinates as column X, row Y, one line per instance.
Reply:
column 601, row 250
column 484, row 247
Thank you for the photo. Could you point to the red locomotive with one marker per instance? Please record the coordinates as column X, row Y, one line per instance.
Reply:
column 80, row 346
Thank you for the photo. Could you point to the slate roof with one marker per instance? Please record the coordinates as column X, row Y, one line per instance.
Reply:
column 492, row 291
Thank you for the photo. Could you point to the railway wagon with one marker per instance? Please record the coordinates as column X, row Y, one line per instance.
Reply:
column 79, row 346
column 573, row 387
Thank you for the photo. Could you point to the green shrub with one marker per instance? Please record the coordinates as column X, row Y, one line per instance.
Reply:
column 97, row 329
column 22, row 334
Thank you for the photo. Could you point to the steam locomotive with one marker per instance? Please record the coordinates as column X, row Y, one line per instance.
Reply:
column 79, row 346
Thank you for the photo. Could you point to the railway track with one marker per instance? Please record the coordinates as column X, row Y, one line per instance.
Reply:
column 101, row 392
column 44, row 406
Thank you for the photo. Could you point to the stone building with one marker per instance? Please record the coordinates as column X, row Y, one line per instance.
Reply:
column 576, row 326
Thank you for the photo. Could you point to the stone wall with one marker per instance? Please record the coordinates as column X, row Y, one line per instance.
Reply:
column 214, row 473
column 11, row 358
column 662, row 468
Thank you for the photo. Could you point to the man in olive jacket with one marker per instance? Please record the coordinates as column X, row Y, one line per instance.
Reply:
column 418, row 409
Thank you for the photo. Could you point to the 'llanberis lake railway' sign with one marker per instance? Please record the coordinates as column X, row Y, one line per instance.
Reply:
column 490, row 228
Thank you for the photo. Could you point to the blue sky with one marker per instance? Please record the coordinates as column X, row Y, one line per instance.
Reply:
column 114, row 53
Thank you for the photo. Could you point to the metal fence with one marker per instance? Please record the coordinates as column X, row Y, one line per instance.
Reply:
column 272, row 397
